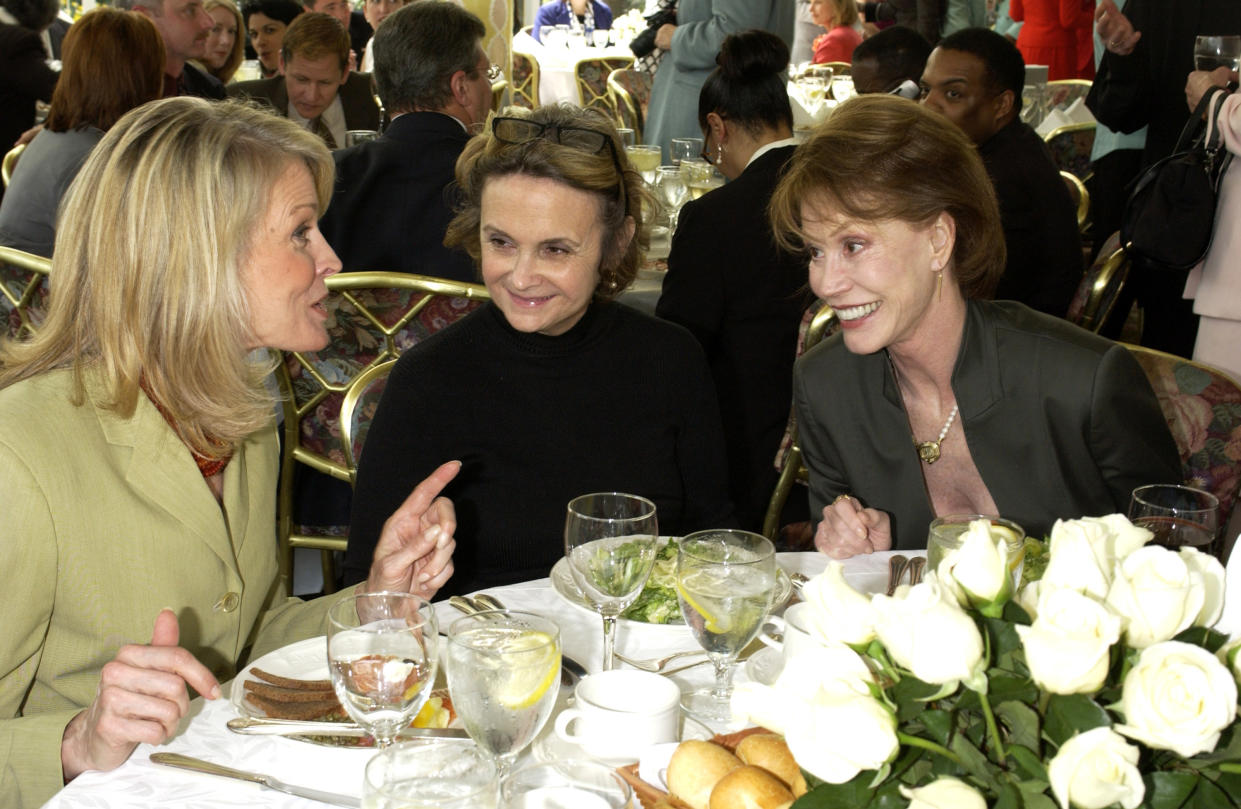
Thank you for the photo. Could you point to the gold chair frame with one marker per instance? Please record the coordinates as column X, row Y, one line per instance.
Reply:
column 21, row 298
column 1077, row 187
column 525, row 93
column 794, row 470
column 349, row 404
column 10, row 162
column 622, row 100
column 293, row 452
column 1115, row 270
column 587, row 96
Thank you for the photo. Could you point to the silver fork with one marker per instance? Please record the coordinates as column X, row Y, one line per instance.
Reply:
column 656, row 664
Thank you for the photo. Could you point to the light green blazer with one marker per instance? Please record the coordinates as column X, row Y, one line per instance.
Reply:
column 106, row 521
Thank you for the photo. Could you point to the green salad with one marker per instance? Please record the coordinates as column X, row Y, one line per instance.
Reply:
column 657, row 603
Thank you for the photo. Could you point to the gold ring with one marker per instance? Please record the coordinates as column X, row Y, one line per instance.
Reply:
column 1115, row 43
column 840, row 497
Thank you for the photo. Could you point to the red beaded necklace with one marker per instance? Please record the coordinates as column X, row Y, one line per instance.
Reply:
column 209, row 467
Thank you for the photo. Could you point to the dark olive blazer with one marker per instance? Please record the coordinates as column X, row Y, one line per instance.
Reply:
column 357, row 99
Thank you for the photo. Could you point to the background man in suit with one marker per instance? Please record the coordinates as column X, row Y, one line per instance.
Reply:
column 390, row 208
column 184, row 26
column 974, row 78
column 315, row 87
column 354, row 21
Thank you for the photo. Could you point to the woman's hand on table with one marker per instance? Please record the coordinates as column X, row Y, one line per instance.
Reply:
column 414, row 552
column 848, row 529
column 1202, row 80
column 141, row 698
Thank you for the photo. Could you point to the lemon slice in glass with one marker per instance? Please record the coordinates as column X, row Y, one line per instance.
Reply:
column 713, row 625
column 530, row 663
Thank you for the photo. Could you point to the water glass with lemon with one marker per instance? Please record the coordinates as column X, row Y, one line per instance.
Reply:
column 503, row 674
column 725, row 583
column 946, row 534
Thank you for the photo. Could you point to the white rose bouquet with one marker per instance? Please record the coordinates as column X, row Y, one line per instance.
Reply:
column 1101, row 685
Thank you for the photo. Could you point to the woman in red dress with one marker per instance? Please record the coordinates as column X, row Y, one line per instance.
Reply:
column 1057, row 33
column 838, row 17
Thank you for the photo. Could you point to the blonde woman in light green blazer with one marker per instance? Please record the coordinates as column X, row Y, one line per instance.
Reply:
column 138, row 457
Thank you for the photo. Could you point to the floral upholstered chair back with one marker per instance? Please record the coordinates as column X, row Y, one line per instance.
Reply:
column 1070, row 149
column 631, row 96
column 1202, row 405
column 358, row 410
column 23, row 290
column 592, row 81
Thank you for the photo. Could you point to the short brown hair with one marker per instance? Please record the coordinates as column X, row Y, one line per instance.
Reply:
column 880, row 157
column 612, row 181
column 314, row 35
column 113, row 62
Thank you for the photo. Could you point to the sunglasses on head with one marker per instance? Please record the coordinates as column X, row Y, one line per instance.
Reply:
column 516, row 131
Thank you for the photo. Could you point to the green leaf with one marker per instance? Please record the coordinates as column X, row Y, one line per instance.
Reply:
column 1207, row 638
column 1021, row 722
column 1014, row 614
column 1039, row 800
column 1228, row 748
column 1168, row 790
column 849, row 795
column 1009, row 798
column 1231, row 784
column 974, row 762
column 1209, row 796
column 1028, row 763
column 1069, row 715
column 1005, row 687
column 910, row 695
column 938, row 725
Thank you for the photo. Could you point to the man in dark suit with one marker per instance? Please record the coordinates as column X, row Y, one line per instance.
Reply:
column 353, row 21
column 974, row 78
column 184, row 26
column 315, row 87
column 391, row 205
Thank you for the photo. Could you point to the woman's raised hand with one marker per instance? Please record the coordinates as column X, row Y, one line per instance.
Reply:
column 141, row 698
column 1114, row 28
column 848, row 529
column 414, row 552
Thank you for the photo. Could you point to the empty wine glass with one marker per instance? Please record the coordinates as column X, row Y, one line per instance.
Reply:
column 430, row 774
column 627, row 136
column 1178, row 516
column 672, row 190
column 381, row 650
column 725, row 582
column 685, row 149
column 503, row 676
column 609, row 541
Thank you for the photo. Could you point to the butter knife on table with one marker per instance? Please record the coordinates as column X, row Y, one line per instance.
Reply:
column 262, row 726
column 198, row 765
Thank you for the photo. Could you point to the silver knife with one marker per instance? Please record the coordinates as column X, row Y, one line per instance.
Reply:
column 198, row 765
column 257, row 726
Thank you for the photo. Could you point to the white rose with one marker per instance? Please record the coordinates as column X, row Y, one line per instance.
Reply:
column 1080, row 558
column 1125, row 536
column 927, row 632
column 1178, row 697
column 1157, row 595
column 1028, row 597
column 1096, row 769
column 838, row 613
column 979, row 567
column 1067, row 646
column 815, row 739
column 815, row 674
column 1212, row 573
column 944, row 793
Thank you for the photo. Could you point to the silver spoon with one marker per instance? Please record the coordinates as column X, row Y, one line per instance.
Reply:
column 896, row 571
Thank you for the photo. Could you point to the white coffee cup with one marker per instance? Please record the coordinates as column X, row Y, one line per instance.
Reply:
column 792, row 628
column 617, row 714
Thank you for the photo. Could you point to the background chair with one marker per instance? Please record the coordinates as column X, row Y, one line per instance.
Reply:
column 524, row 87
column 1202, row 405
column 357, row 410
column 818, row 322
column 839, row 68
column 1070, row 149
column 9, row 163
column 1081, row 200
column 631, row 97
column 1096, row 296
column 23, row 290
column 1063, row 92
column 592, row 81
column 372, row 318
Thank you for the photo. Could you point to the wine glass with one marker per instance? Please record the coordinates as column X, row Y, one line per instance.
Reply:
column 814, row 91
column 627, row 136
column 609, row 541
column 645, row 158
column 1178, row 516
column 725, row 582
column 430, row 774
column 672, row 190
column 503, row 676
column 685, row 149
column 381, row 651
column 569, row 782
column 1211, row 53
column 700, row 177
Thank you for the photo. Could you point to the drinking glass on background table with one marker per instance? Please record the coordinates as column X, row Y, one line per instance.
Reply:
column 814, row 90
column 503, row 676
column 685, row 149
column 600, row 37
column 726, row 579
column 944, row 537
column 645, row 158
column 672, row 191
column 627, row 136
column 430, row 774
column 700, row 177
column 609, row 542
column 1211, row 53
column 1178, row 516
column 381, row 650
column 842, row 88
column 563, row 784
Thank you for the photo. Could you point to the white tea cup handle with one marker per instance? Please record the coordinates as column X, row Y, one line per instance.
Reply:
column 563, row 720
column 780, row 625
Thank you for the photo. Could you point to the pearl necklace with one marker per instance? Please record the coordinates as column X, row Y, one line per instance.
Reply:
column 928, row 451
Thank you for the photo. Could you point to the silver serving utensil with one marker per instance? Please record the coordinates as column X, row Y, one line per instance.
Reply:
column 260, row 726
column 917, row 566
column 896, row 571
column 198, row 765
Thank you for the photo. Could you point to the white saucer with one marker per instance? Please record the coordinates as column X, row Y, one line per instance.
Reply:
column 549, row 747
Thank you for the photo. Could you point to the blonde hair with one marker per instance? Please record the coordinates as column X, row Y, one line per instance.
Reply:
column 146, row 281
column 226, row 70
column 846, row 11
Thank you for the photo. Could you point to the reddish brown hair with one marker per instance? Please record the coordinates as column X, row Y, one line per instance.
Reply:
column 113, row 62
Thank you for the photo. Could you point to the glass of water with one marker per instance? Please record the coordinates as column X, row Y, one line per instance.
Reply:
column 430, row 774
column 503, row 676
column 726, row 579
column 645, row 158
column 568, row 783
column 685, row 149
column 1211, row 53
column 672, row 191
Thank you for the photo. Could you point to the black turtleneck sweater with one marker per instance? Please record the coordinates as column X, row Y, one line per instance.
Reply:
column 620, row 402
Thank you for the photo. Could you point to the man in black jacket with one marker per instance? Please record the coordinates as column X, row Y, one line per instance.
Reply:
column 183, row 25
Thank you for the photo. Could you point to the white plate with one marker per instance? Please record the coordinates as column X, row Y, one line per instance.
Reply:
column 549, row 747
column 566, row 587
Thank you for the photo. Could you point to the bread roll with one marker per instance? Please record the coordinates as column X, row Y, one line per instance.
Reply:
column 771, row 752
column 750, row 787
column 695, row 768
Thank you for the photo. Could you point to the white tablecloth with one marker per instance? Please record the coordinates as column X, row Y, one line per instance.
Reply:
column 139, row 783
column 556, row 80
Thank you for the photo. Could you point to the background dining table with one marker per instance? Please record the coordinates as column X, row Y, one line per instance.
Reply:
column 556, row 80
column 139, row 783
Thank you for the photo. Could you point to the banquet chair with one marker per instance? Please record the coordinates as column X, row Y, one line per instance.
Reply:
column 1202, row 406
column 372, row 318
column 497, row 94
column 23, row 290
column 1061, row 93
column 524, row 87
column 1100, row 287
column 10, row 163
column 357, row 410
column 839, row 68
column 818, row 322
column 1081, row 200
column 1070, row 149
column 631, row 97
column 592, row 81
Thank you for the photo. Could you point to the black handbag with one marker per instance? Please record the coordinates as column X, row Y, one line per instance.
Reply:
column 1170, row 212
